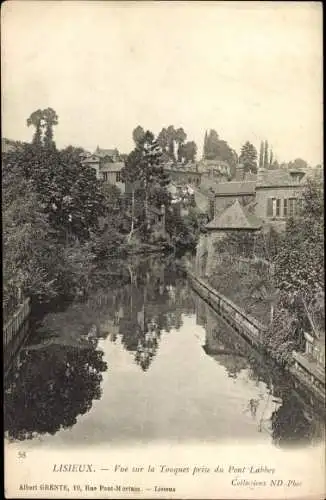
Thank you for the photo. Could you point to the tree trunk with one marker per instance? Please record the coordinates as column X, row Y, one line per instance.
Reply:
column 272, row 313
column 132, row 215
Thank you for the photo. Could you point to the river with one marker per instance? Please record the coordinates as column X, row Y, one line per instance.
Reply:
column 146, row 360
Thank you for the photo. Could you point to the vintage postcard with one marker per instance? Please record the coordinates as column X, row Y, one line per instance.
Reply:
column 163, row 250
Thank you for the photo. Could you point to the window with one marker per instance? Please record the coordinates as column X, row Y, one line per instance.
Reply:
column 271, row 203
column 292, row 207
column 118, row 177
column 278, row 208
column 105, row 176
column 285, row 208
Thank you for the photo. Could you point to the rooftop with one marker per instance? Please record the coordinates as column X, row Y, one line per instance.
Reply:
column 272, row 178
column 235, row 217
column 234, row 188
column 102, row 153
column 110, row 166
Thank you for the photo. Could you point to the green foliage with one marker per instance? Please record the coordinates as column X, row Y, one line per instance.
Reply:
column 69, row 192
column 248, row 157
column 218, row 149
column 43, row 121
column 300, row 262
column 298, row 163
column 261, row 155
column 138, row 134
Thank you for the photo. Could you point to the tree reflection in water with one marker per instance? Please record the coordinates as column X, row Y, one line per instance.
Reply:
column 149, row 305
column 293, row 422
column 54, row 385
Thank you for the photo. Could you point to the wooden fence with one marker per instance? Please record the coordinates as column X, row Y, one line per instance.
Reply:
column 15, row 331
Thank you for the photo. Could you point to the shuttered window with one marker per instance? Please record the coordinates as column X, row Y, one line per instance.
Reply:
column 292, row 207
column 278, row 208
column 285, row 208
column 118, row 177
column 270, row 203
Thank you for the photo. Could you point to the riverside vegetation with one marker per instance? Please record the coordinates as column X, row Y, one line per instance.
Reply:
column 284, row 287
column 55, row 245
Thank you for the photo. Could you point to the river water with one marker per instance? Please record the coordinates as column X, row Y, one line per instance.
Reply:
column 145, row 360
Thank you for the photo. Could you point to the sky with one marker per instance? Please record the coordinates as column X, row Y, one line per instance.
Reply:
column 250, row 70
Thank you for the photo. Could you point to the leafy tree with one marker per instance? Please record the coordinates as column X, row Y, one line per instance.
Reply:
column 148, row 180
column 50, row 118
column 180, row 137
column 189, row 151
column 248, row 157
column 162, row 139
column 299, row 265
column 170, row 132
column 218, row 149
column 212, row 145
column 43, row 121
column 36, row 120
column 138, row 134
column 298, row 163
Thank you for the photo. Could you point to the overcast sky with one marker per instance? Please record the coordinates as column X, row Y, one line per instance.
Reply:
column 252, row 71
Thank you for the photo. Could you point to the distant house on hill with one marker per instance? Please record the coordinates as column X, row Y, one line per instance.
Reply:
column 108, row 154
column 107, row 164
column 182, row 174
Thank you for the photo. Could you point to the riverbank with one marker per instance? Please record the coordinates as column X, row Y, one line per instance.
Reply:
column 254, row 332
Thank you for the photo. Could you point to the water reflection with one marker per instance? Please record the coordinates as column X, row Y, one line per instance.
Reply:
column 175, row 370
column 54, row 385
column 292, row 421
column 152, row 303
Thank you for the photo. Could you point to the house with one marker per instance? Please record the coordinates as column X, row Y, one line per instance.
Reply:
column 218, row 169
column 108, row 154
column 111, row 172
column 278, row 195
column 107, row 165
column 275, row 194
column 180, row 173
column 235, row 217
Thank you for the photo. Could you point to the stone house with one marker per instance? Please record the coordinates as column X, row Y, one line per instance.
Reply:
column 275, row 194
column 182, row 174
column 106, row 164
column 235, row 217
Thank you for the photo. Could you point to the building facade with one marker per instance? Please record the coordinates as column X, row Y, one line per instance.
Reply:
column 275, row 195
column 107, row 165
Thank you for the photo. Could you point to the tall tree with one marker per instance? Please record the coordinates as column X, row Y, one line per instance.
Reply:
column 36, row 120
column 261, row 154
column 205, row 146
column 180, row 137
column 162, row 139
column 138, row 134
column 212, row 145
column 171, row 141
column 145, row 172
column 271, row 157
column 50, row 118
column 248, row 157
column 189, row 151
column 266, row 154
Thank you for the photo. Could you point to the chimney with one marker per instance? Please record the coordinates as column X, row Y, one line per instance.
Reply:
column 239, row 173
